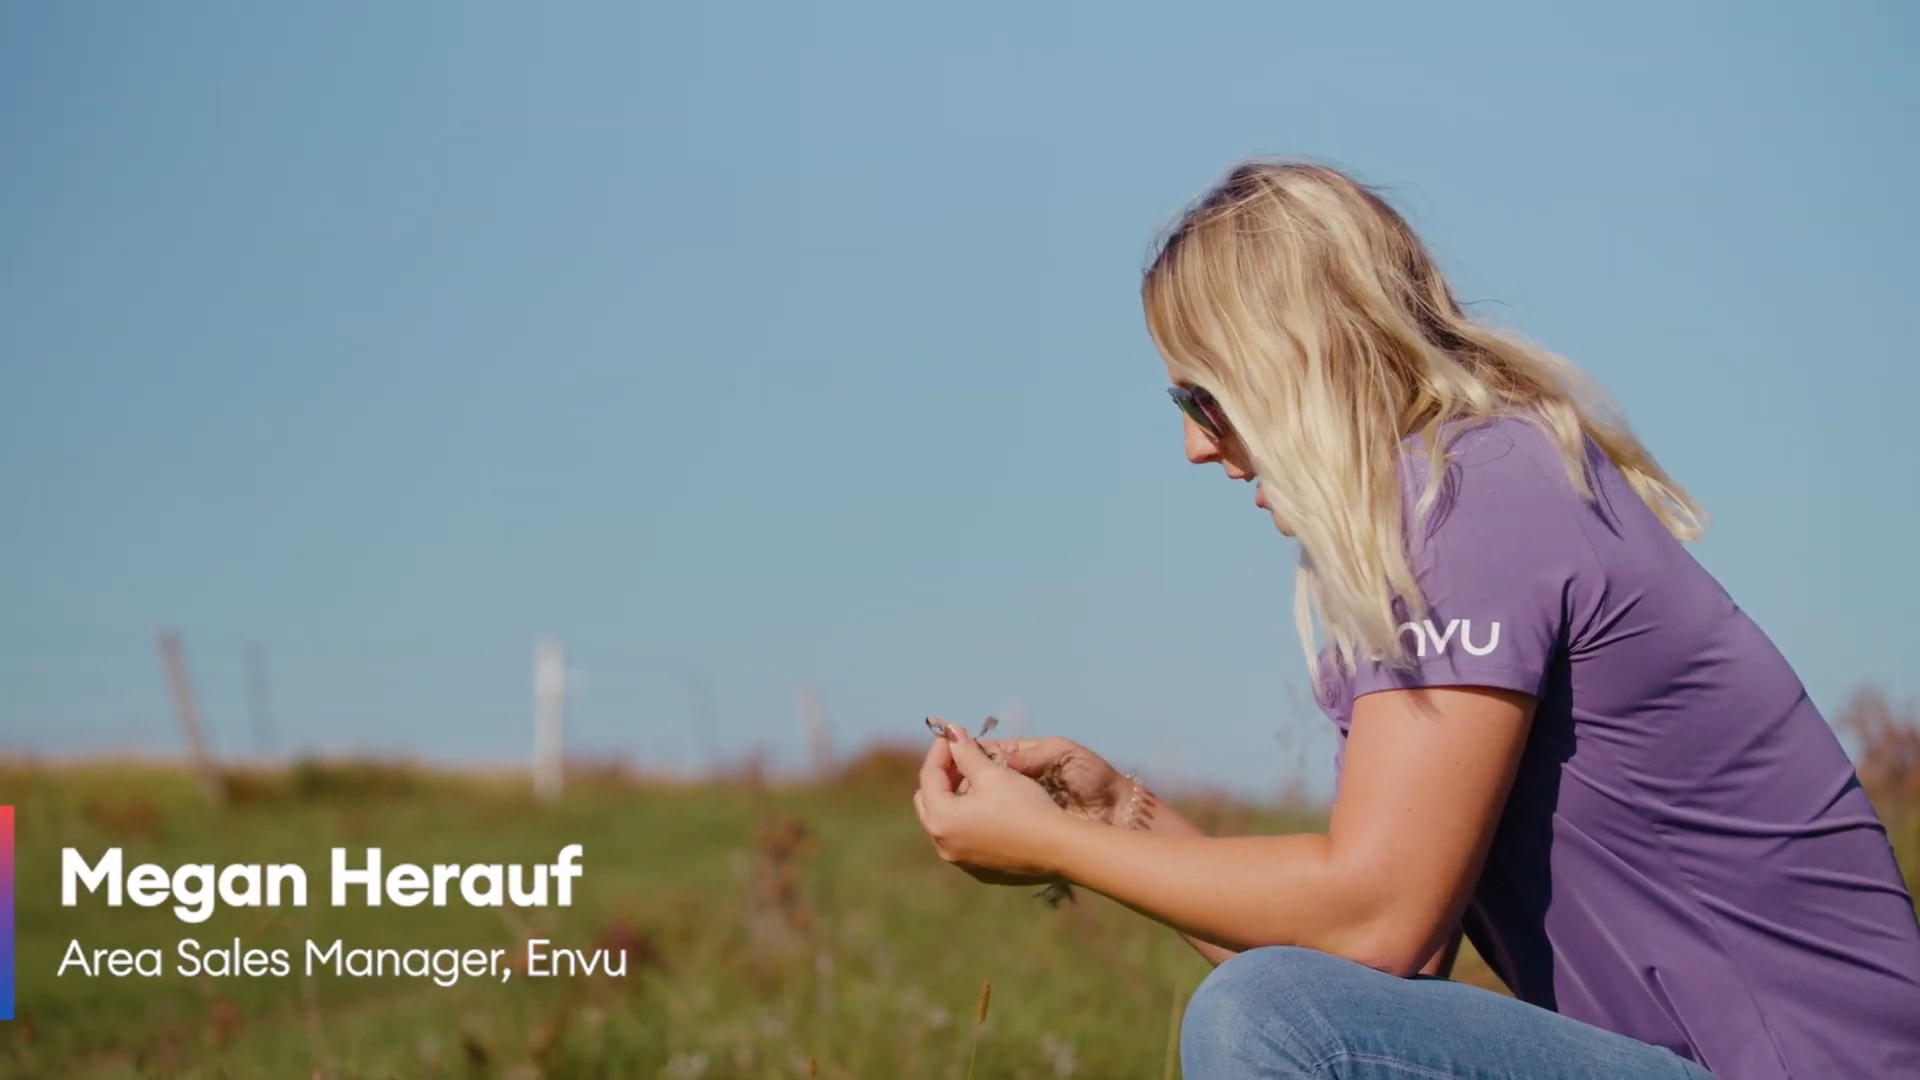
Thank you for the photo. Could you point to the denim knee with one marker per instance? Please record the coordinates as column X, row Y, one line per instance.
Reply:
column 1255, row 1016
column 1293, row 1014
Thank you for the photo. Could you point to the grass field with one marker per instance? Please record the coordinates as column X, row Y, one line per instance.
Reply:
column 767, row 930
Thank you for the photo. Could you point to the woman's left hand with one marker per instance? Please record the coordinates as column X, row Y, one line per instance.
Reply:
column 999, row 830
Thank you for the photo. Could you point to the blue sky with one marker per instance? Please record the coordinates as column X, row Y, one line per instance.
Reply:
column 741, row 346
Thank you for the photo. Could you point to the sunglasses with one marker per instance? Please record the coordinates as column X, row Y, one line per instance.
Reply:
column 1201, row 408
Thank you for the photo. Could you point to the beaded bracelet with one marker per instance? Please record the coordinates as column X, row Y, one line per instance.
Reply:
column 1132, row 819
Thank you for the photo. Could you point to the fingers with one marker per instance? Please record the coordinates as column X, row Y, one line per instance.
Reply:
column 1006, row 746
column 936, row 771
column 1030, row 756
column 972, row 760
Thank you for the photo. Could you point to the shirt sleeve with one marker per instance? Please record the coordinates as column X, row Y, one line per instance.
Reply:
column 1495, row 560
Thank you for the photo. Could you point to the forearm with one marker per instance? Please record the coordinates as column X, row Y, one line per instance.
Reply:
column 1164, row 820
column 1235, row 893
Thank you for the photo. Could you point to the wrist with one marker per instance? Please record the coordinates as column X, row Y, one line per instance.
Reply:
column 1132, row 803
column 1058, row 847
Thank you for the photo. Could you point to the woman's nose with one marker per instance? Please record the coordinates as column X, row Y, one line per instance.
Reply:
column 1200, row 446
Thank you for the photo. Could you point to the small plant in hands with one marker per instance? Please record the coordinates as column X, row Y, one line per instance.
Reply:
column 1078, row 780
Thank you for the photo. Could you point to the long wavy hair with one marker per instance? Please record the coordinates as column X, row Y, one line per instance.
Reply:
column 1308, row 307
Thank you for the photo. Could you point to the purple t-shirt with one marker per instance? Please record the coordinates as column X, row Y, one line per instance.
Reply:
column 1686, row 856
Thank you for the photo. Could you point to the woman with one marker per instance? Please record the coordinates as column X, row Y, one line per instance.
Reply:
column 1557, row 732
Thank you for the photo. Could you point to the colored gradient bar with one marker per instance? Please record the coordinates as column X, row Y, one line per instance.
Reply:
column 6, row 912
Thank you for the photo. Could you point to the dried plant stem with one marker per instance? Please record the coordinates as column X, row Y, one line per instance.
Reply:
column 979, row 1021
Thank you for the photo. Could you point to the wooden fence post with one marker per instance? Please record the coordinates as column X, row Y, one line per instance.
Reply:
column 188, row 709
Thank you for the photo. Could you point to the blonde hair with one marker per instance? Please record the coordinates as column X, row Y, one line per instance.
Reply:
column 1312, row 312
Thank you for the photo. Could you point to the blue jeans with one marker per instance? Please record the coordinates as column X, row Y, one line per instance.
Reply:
column 1296, row 1013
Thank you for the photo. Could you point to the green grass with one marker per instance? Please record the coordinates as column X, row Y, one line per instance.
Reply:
column 769, row 931
column 765, row 927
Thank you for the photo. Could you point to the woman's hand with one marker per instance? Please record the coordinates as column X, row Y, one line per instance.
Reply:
column 1001, row 829
column 1081, row 781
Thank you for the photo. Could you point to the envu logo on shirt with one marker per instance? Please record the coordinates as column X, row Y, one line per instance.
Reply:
column 1424, row 635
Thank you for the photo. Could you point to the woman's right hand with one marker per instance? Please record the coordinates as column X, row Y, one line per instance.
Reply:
column 1081, row 781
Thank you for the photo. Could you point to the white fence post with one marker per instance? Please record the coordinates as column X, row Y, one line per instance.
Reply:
column 549, row 715
column 817, row 730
